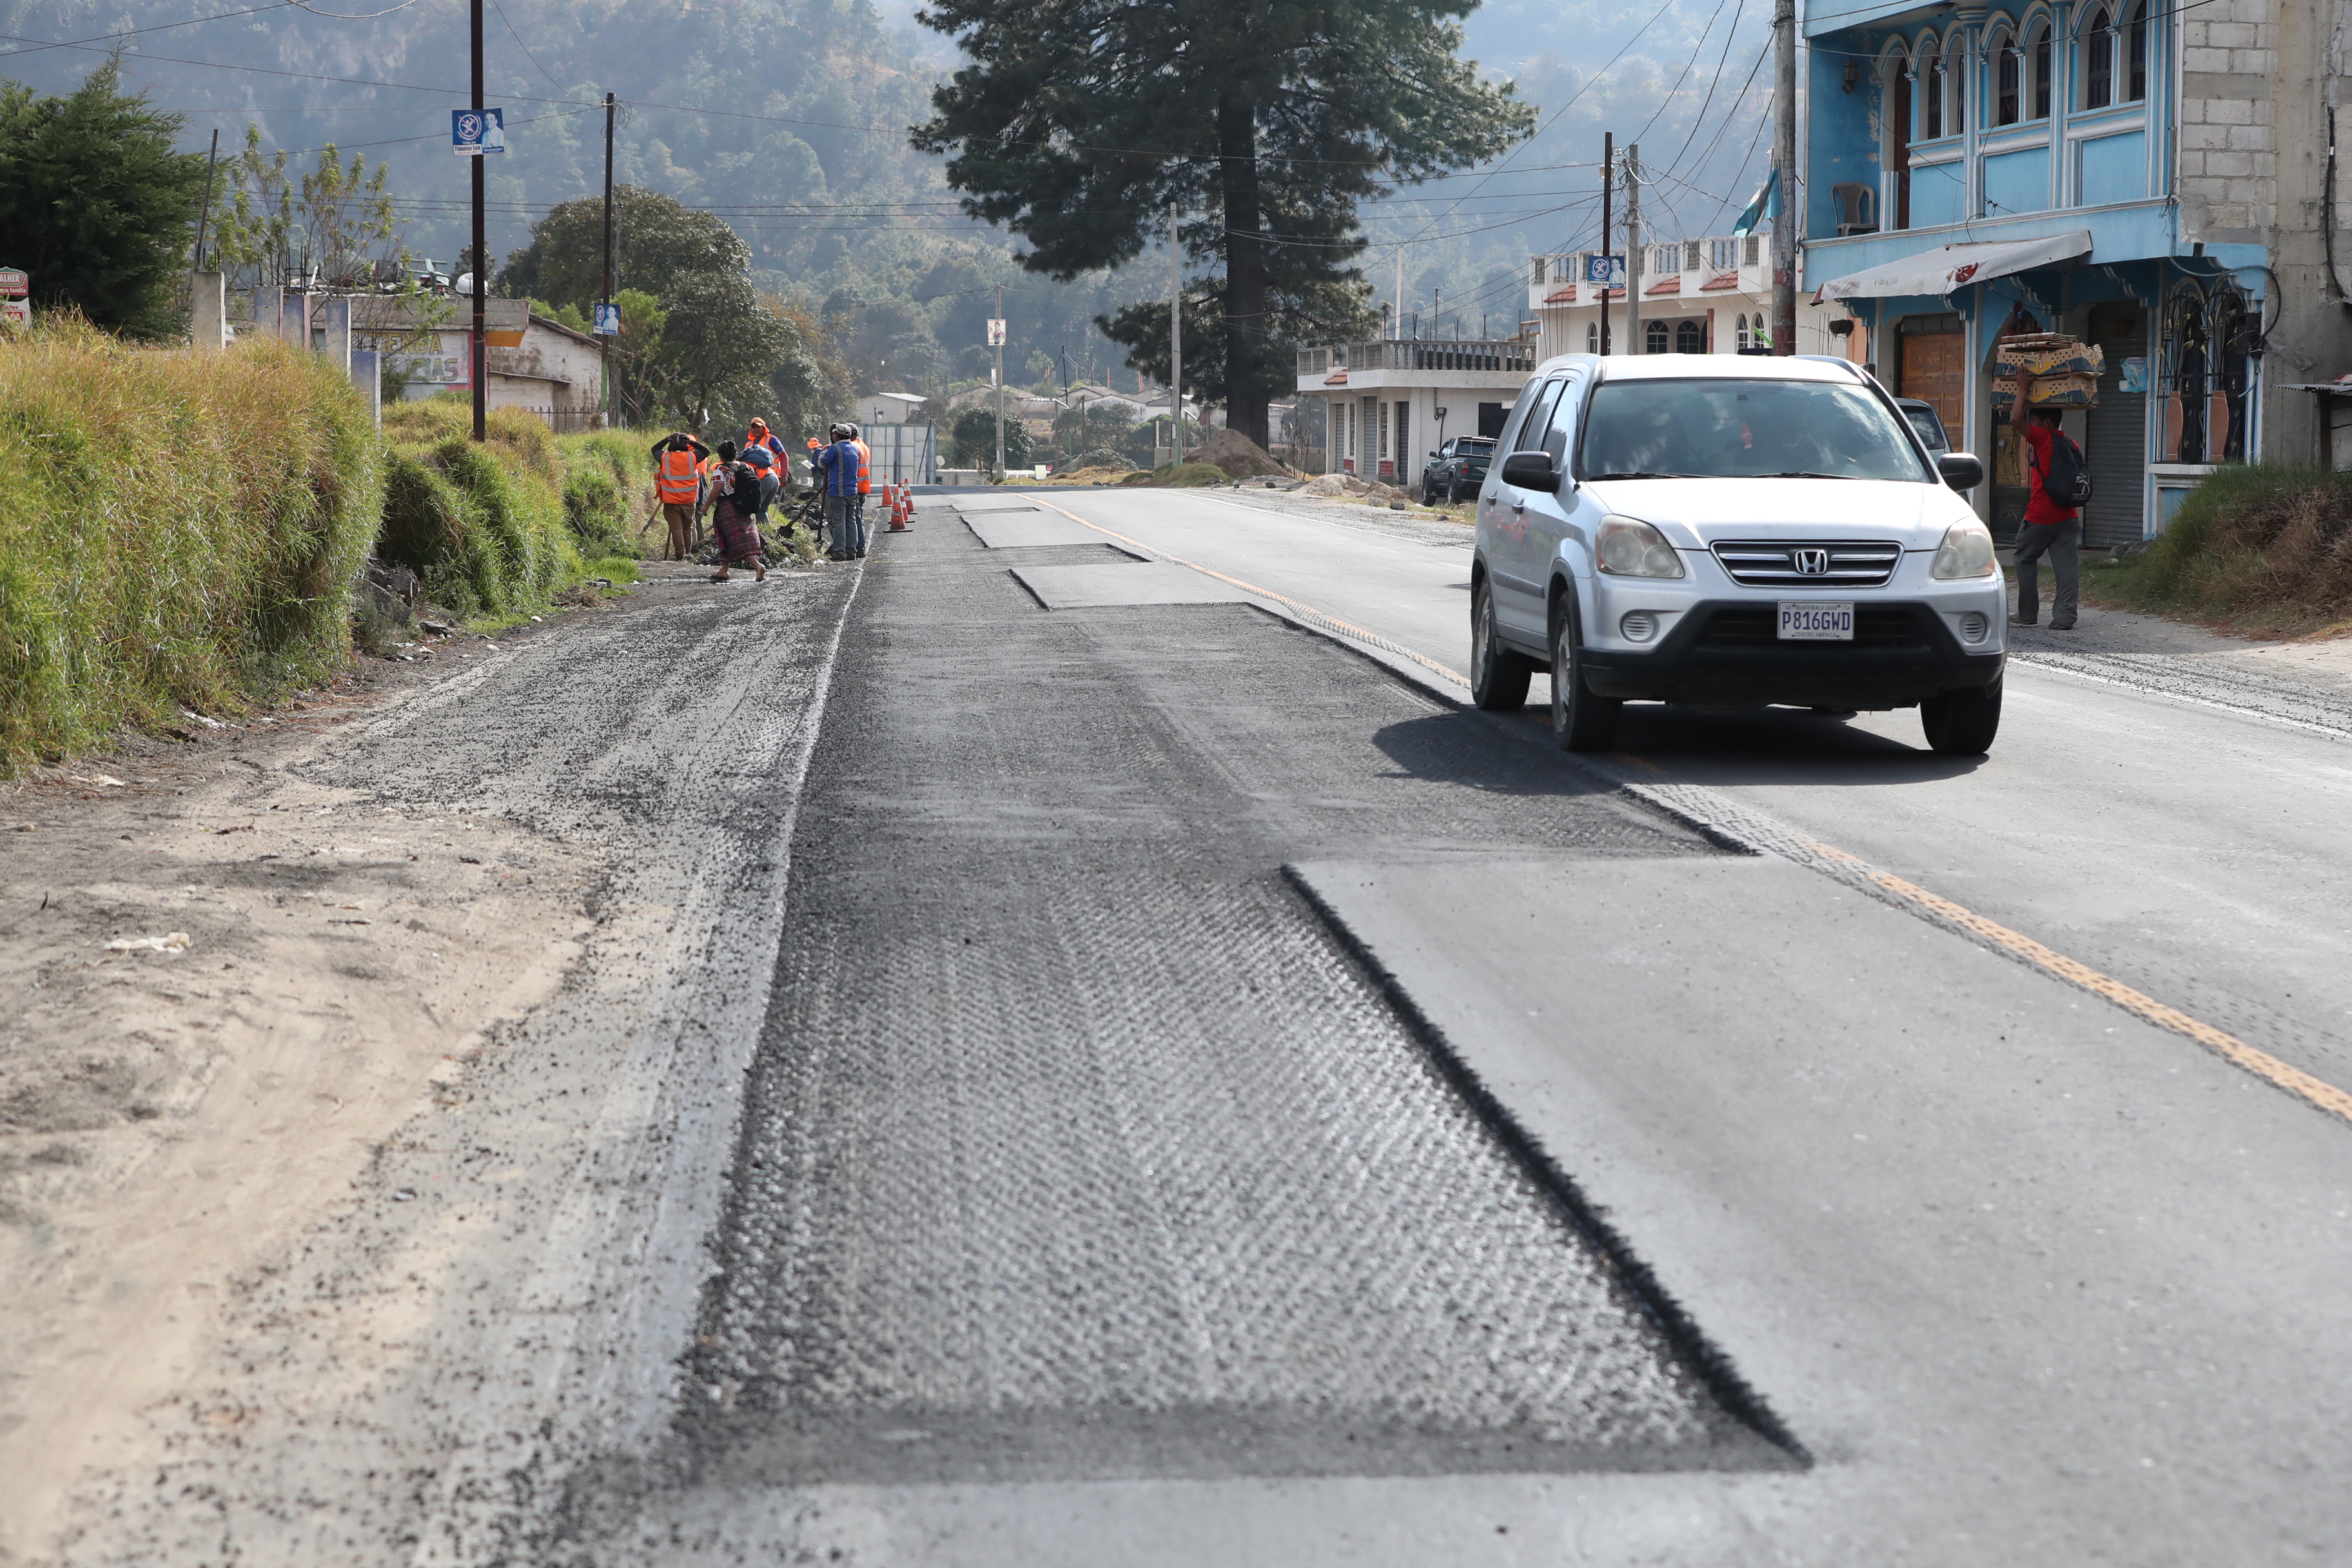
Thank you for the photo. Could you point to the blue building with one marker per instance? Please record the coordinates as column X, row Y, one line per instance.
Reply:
column 2107, row 168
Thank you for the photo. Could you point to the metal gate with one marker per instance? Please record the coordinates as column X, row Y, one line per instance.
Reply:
column 904, row 454
column 2116, row 432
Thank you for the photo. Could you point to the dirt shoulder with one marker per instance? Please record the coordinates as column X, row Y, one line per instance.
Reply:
column 170, row 1119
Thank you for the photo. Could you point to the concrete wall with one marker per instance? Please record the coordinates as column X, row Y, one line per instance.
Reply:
column 2253, row 141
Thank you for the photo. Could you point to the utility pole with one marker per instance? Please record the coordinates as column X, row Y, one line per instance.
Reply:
column 999, row 384
column 1633, row 344
column 1175, row 337
column 605, row 342
column 481, row 360
column 205, row 217
column 1608, row 172
column 1784, row 160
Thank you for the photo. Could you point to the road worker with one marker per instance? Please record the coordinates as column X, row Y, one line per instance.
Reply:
column 765, row 452
column 836, row 463
column 865, row 481
column 679, row 481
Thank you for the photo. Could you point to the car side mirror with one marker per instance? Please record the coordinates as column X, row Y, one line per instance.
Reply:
column 1961, row 470
column 1531, row 471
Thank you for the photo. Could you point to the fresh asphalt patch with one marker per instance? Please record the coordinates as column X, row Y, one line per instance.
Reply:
column 1075, row 1145
column 1129, row 583
column 1028, row 529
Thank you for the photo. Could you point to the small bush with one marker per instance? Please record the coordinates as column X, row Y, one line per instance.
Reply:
column 176, row 530
column 1102, row 457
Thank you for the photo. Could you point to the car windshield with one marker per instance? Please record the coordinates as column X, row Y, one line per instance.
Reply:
column 1743, row 429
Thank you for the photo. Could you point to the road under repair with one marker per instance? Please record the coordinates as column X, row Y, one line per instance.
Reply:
column 1090, row 1053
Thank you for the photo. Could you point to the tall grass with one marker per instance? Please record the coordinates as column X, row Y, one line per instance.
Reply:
column 176, row 529
column 2261, row 546
column 499, row 528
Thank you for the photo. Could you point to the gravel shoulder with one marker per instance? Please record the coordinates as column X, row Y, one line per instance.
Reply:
column 271, row 1200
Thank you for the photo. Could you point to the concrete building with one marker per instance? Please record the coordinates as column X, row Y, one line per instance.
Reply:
column 2152, row 178
column 1388, row 401
column 538, row 366
column 1712, row 295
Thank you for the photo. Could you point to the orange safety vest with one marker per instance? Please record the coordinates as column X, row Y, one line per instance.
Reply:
column 679, row 478
column 761, row 436
column 865, row 468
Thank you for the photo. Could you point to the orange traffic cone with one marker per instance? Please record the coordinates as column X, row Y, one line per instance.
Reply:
column 902, row 508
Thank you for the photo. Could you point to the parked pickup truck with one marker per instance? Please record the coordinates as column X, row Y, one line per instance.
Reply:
column 1456, row 469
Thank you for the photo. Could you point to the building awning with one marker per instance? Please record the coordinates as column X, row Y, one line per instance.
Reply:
column 1954, row 267
column 1561, row 296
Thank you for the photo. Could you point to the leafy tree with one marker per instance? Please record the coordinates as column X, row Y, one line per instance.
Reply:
column 637, row 387
column 1079, row 122
column 95, row 203
column 336, row 223
column 972, row 440
column 657, row 241
column 1097, row 426
column 719, row 345
column 811, row 385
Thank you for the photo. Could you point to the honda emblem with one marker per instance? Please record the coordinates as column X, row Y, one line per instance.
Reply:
column 1810, row 563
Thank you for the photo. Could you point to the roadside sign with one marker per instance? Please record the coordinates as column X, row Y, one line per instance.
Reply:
column 14, row 284
column 996, row 332
column 472, row 134
column 608, row 320
column 1607, row 270
column 15, row 313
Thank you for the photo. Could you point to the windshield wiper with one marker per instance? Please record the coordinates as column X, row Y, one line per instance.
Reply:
column 1805, row 474
column 1644, row 474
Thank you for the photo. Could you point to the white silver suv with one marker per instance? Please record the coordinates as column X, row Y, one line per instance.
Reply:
column 1737, row 530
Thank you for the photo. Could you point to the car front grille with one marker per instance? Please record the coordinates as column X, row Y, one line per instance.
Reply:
column 1784, row 563
column 1886, row 629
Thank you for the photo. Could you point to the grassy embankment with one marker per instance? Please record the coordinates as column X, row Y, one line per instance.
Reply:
column 175, row 530
column 497, row 530
column 2259, row 549
column 186, row 530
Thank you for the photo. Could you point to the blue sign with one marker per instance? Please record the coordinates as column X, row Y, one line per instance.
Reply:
column 473, row 133
column 1605, row 270
column 608, row 320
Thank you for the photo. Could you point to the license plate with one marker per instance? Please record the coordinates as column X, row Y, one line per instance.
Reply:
column 1811, row 621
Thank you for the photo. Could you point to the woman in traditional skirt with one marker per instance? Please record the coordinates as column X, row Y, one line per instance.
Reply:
column 731, row 515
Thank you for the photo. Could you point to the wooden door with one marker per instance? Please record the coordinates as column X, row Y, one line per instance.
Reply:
column 1935, row 369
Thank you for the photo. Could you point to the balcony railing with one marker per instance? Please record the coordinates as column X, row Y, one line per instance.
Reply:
column 1498, row 356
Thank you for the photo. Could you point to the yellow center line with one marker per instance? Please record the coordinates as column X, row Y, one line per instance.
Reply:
column 2231, row 1048
column 1456, row 677
column 2314, row 1091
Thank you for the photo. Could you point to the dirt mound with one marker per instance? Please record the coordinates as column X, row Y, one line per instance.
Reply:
column 1352, row 487
column 1236, row 456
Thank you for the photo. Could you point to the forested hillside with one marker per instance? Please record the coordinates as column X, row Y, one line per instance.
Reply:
column 788, row 119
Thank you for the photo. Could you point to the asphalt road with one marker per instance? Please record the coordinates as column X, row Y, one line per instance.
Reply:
column 1078, row 1068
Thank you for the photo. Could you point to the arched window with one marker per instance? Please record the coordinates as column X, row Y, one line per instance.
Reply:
column 2007, row 95
column 1689, row 338
column 2037, row 48
column 1741, row 319
column 2099, row 60
column 1592, row 337
column 1956, row 86
column 2135, row 50
column 1654, row 335
column 1900, row 81
column 1931, row 91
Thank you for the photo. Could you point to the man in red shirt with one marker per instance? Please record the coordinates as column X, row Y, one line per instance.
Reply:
column 2050, row 529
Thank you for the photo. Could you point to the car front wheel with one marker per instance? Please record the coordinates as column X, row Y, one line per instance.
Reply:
column 1581, row 720
column 1962, row 723
column 1498, row 678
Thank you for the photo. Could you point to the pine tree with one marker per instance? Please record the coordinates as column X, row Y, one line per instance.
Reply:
column 1080, row 121
column 95, row 205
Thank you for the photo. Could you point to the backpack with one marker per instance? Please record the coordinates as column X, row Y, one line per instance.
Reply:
column 2068, row 482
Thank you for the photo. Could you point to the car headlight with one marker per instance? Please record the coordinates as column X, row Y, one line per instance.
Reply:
column 1967, row 551
column 1631, row 548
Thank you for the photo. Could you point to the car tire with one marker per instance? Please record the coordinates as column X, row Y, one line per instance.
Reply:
column 1582, row 721
column 1453, row 495
column 1498, row 678
column 1962, row 723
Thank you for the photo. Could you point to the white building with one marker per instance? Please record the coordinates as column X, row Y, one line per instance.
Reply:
column 538, row 366
column 1389, row 400
column 1697, row 296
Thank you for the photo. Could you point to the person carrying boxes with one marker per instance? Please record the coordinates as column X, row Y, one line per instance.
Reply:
column 2058, row 482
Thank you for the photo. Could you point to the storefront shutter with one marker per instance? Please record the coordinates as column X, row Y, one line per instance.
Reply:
column 2116, row 432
